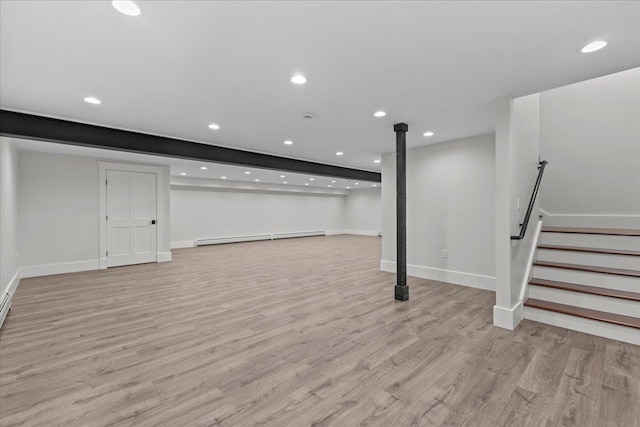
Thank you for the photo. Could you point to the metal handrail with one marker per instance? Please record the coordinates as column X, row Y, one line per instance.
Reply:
column 523, row 226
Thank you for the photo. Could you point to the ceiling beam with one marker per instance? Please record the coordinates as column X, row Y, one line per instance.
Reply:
column 29, row 126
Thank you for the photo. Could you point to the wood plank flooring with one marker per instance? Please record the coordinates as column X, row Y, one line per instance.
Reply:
column 299, row 332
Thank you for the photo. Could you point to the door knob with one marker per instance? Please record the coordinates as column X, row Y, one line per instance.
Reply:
column 153, row 221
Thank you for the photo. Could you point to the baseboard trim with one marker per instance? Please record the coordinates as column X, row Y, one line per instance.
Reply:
column 183, row 244
column 7, row 297
column 59, row 268
column 164, row 257
column 455, row 277
column 363, row 232
column 590, row 220
column 508, row 318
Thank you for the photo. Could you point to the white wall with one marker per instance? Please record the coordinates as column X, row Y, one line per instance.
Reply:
column 590, row 134
column 364, row 211
column 517, row 158
column 9, row 254
column 210, row 212
column 59, row 213
column 450, row 205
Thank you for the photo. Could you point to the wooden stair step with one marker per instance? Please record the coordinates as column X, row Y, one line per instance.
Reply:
column 588, row 268
column 616, row 319
column 593, row 290
column 590, row 250
column 583, row 230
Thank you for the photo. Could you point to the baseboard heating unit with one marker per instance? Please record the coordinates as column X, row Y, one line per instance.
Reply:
column 257, row 237
column 5, row 305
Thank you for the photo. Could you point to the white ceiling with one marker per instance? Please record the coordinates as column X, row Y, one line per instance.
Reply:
column 181, row 65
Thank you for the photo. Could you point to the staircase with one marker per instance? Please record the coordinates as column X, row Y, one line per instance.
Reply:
column 588, row 280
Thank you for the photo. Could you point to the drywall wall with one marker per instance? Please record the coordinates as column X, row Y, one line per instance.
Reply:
column 363, row 211
column 450, row 206
column 210, row 212
column 590, row 134
column 9, row 254
column 59, row 213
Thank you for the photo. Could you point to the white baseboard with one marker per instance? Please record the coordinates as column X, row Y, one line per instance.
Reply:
column 59, row 268
column 362, row 232
column 508, row 318
column 590, row 220
column 335, row 232
column 449, row 276
column 164, row 256
column 183, row 244
column 11, row 291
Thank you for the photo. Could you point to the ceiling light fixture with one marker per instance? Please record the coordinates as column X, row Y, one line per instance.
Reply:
column 428, row 133
column 380, row 113
column 127, row 7
column 356, row 183
column 284, row 182
column 306, row 183
column 329, row 186
column 247, row 173
column 256, row 180
column 183, row 173
column 593, row 46
column 333, row 182
column 310, row 179
column 281, row 176
column 376, row 161
column 348, row 188
column 288, row 142
column 374, row 185
column 92, row 100
column 223, row 177
column 339, row 153
column 204, row 168
column 298, row 79
column 214, row 126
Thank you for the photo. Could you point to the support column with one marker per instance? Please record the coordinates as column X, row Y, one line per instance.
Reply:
column 402, row 289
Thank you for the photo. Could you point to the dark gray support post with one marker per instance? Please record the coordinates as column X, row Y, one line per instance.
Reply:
column 402, row 289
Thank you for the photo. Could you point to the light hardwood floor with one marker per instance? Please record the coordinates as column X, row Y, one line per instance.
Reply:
column 294, row 332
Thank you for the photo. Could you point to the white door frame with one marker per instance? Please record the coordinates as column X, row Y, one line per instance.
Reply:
column 129, row 167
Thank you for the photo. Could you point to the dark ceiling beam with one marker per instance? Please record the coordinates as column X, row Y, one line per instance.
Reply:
column 29, row 126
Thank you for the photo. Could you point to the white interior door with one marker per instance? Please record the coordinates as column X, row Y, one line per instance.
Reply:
column 131, row 218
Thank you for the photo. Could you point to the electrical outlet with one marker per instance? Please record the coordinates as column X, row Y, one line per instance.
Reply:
column 445, row 253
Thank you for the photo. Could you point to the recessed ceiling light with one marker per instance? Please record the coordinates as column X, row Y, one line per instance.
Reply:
column 256, row 180
column 183, row 173
column 127, row 7
column 284, row 182
column 92, row 100
column 306, row 183
column 281, row 176
column 298, row 79
column 204, row 168
column 329, row 186
column 339, row 153
column 356, row 183
column 310, row 179
column 376, row 161
column 428, row 133
column 374, row 185
column 247, row 173
column 380, row 113
column 333, row 182
column 288, row 142
column 223, row 177
column 214, row 126
column 348, row 188
column 593, row 46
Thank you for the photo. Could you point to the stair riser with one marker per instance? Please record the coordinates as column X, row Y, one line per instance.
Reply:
column 593, row 302
column 589, row 326
column 609, row 281
column 585, row 258
column 591, row 241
